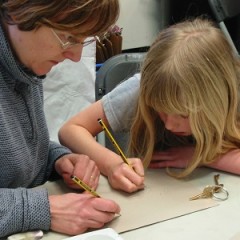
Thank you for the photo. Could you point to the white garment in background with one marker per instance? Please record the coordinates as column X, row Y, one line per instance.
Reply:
column 69, row 88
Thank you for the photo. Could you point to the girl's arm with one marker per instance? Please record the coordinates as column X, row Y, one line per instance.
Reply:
column 229, row 162
column 179, row 157
column 78, row 134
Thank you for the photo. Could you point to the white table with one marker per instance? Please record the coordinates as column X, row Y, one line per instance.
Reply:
column 217, row 223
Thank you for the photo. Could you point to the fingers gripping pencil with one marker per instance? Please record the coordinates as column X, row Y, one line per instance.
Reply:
column 84, row 186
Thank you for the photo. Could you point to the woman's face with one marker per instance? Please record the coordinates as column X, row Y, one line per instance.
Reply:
column 177, row 124
column 40, row 50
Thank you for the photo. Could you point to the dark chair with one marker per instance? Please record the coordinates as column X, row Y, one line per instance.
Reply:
column 223, row 10
column 115, row 70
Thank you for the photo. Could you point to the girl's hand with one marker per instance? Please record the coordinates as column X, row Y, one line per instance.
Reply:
column 127, row 178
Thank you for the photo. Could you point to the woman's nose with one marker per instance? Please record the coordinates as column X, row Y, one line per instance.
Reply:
column 74, row 54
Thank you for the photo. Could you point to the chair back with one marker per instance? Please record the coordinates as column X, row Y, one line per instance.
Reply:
column 223, row 10
column 115, row 70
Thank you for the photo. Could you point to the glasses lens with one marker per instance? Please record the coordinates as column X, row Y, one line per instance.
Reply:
column 71, row 41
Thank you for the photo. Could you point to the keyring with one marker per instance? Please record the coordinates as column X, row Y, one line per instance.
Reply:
column 220, row 193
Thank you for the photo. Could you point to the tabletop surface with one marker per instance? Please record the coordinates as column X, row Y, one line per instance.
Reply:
column 217, row 223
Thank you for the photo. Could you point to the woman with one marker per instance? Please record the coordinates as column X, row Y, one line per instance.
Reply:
column 183, row 113
column 35, row 36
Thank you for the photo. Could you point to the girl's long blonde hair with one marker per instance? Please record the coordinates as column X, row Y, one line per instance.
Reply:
column 189, row 70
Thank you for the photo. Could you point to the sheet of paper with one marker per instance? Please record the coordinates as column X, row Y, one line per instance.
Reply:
column 163, row 198
column 236, row 237
column 103, row 234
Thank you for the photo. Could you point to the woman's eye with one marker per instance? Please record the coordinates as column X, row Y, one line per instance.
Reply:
column 72, row 40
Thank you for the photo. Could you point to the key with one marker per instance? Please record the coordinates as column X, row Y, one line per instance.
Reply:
column 216, row 191
column 206, row 193
column 218, row 186
column 216, row 178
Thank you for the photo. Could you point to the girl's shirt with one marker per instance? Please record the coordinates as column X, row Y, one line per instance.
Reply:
column 119, row 106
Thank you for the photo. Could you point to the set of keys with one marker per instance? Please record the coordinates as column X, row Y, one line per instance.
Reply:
column 216, row 191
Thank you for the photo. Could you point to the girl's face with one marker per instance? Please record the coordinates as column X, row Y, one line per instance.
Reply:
column 177, row 124
column 40, row 50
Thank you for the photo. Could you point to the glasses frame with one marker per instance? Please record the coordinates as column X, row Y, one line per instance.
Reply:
column 68, row 44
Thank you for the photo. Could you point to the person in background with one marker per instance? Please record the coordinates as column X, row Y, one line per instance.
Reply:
column 181, row 110
column 36, row 36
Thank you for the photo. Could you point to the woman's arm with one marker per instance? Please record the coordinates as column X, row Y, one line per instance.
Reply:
column 78, row 134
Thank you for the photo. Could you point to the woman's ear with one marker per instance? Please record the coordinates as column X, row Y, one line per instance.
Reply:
column 13, row 18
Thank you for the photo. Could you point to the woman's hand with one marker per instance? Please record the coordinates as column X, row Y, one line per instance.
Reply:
column 177, row 157
column 74, row 213
column 79, row 165
column 127, row 178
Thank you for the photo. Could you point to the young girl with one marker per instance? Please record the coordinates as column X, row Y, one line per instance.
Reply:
column 183, row 113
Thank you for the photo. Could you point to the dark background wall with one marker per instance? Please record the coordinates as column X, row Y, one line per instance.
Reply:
column 178, row 10
column 182, row 9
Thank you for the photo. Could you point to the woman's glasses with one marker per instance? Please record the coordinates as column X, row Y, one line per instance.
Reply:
column 71, row 41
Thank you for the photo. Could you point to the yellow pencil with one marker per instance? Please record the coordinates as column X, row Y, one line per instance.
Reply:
column 113, row 141
column 84, row 186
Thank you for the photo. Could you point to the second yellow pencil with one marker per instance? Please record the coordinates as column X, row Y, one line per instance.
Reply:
column 113, row 141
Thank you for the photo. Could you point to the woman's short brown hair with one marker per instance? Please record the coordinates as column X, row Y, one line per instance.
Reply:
column 65, row 15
